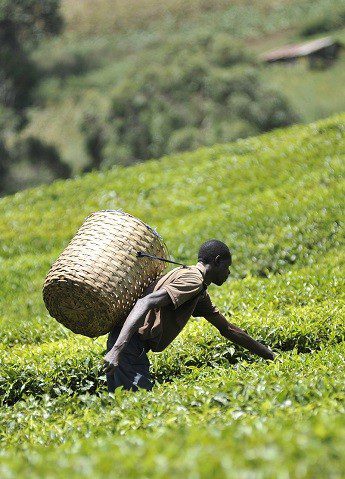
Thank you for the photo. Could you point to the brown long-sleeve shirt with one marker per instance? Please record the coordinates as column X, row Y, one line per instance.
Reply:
column 186, row 289
column 189, row 297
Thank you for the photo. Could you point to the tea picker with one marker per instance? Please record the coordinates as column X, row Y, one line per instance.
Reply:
column 109, row 280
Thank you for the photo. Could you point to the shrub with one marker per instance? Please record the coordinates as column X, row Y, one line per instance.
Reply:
column 210, row 415
column 324, row 22
column 38, row 160
column 190, row 99
column 22, row 25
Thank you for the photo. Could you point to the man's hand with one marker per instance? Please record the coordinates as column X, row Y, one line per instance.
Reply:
column 239, row 336
column 277, row 358
column 110, row 362
column 134, row 320
column 274, row 355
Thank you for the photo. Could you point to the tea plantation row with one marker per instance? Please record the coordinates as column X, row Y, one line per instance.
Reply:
column 275, row 199
column 303, row 310
column 265, row 420
column 215, row 411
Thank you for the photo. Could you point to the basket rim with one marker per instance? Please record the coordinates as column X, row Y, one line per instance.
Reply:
column 124, row 213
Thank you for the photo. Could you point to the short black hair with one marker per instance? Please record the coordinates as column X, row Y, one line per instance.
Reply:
column 212, row 248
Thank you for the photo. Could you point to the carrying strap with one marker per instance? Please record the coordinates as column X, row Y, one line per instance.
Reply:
column 141, row 254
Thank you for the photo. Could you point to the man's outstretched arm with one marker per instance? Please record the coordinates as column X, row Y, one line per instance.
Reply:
column 133, row 322
column 238, row 336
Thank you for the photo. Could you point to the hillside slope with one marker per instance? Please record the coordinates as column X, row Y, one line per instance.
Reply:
column 277, row 201
column 105, row 39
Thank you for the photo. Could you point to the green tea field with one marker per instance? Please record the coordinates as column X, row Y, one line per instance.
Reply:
column 216, row 411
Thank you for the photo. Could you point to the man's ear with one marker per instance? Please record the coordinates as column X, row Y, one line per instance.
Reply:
column 217, row 260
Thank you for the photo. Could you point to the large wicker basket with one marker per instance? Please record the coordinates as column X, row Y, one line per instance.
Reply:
column 97, row 279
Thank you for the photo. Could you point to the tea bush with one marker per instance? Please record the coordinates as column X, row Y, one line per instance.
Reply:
column 228, row 424
column 215, row 410
column 276, row 196
column 303, row 310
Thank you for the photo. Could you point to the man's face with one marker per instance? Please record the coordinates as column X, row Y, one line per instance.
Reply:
column 221, row 270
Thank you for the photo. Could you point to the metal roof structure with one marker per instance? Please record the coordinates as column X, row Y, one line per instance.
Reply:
column 299, row 50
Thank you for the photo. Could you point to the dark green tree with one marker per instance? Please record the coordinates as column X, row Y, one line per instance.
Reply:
column 205, row 91
column 3, row 166
column 23, row 24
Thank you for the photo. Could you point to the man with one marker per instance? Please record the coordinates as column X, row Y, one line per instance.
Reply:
column 161, row 314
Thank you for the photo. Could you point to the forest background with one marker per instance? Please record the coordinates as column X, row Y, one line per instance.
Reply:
column 91, row 84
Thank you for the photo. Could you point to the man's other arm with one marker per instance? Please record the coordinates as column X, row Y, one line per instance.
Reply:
column 134, row 320
column 238, row 336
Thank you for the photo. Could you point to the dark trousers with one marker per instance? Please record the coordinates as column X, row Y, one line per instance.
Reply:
column 132, row 371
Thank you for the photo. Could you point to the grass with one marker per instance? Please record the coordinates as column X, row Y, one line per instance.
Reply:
column 310, row 91
column 242, row 17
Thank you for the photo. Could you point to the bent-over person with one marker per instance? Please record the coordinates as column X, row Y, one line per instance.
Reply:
column 164, row 310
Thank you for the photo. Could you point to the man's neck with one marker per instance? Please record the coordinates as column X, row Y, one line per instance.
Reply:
column 204, row 271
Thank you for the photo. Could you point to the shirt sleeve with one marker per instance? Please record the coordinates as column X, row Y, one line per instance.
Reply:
column 204, row 307
column 184, row 288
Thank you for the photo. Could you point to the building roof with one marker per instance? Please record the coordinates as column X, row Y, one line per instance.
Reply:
column 299, row 50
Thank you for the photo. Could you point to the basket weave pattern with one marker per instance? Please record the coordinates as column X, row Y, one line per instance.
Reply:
column 97, row 279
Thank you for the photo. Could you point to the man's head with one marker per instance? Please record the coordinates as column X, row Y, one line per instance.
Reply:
column 216, row 257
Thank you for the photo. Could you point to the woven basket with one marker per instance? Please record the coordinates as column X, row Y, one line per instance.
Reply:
column 97, row 279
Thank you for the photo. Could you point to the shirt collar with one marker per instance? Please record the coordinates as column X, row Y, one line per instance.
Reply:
column 201, row 268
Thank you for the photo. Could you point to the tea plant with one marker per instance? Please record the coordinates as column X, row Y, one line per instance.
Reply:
column 215, row 410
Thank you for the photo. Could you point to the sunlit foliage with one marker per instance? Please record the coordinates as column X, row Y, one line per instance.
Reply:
column 216, row 410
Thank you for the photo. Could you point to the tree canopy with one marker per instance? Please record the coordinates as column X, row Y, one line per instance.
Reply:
column 23, row 24
column 199, row 93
